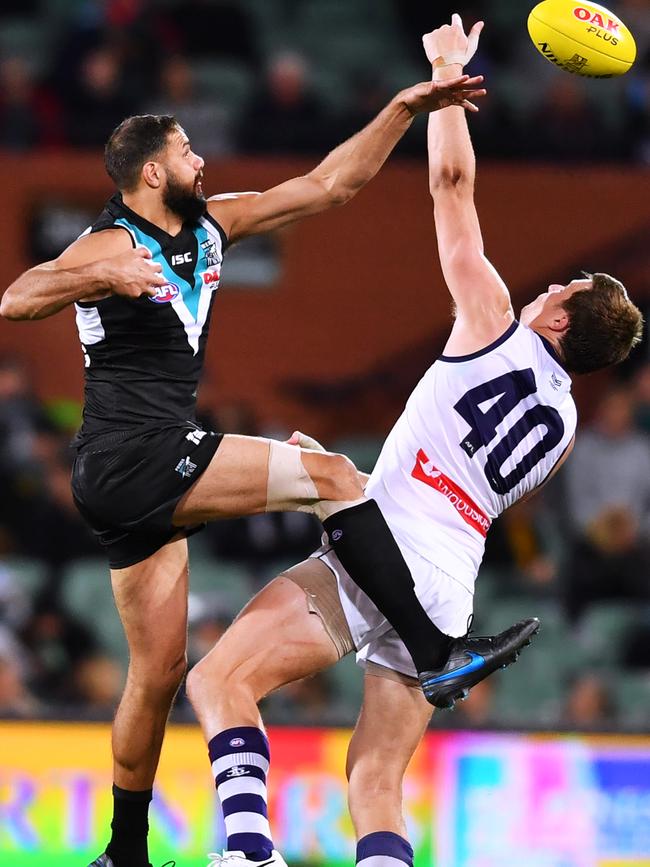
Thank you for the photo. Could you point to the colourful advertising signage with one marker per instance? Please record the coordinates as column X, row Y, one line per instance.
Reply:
column 472, row 799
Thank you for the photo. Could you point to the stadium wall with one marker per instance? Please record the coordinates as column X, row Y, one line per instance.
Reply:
column 356, row 287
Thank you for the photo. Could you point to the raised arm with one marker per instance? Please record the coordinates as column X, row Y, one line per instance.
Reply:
column 346, row 169
column 483, row 308
column 93, row 267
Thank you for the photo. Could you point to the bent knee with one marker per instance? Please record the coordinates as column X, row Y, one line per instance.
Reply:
column 214, row 677
column 158, row 674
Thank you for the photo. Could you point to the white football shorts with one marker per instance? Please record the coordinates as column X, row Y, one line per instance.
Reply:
column 448, row 603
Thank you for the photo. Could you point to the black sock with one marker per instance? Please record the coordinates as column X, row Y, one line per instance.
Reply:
column 128, row 845
column 365, row 546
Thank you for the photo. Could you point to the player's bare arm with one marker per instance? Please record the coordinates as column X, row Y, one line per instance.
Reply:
column 483, row 308
column 91, row 268
column 346, row 169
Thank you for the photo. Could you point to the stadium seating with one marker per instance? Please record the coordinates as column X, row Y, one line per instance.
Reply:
column 227, row 82
column 602, row 630
column 362, row 451
column 228, row 582
column 632, row 698
column 87, row 594
column 28, row 574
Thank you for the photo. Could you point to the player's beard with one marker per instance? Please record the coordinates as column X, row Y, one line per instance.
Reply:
column 184, row 202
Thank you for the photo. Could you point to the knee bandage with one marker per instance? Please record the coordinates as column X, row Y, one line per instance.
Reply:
column 290, row 488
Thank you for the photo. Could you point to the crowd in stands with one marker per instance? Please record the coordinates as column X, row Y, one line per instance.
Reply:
column 577, row 555
column 297, row 76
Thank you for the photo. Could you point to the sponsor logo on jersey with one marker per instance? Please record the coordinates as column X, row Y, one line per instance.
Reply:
column 425, row 471
column 165, row 294
column 181, row 258
column 556, row 383
column 211, row 276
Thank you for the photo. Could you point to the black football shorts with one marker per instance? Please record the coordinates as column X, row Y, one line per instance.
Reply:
column 127, row 486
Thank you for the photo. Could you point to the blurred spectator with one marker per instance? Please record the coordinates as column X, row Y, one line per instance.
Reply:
column 566, row 126
column 56, row 644
column 636, row 645
column 22, row 418
column 610, row 465
column 208, row 618
column 50, row 526
column 478, row 709
column 641, row 387
column 206, row 123
column 261, row 539
column 98, row 98
column 610, row 561
column 367, row 94
column 15, row 606
column 37, row 508
column 517, row 549
column 135, row 34
column 216, row 29
column 589, row 704
column 29, row 115
column 285, row 115
column 15, row 699
column 97, row 686
column 26, row 439
column 310, row 701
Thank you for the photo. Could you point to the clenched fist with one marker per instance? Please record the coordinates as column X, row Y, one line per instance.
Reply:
column 133, row 274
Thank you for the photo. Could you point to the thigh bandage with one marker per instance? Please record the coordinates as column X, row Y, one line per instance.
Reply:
column 289, row 487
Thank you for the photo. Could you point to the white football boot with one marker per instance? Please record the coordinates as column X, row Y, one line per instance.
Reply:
column 238, row 859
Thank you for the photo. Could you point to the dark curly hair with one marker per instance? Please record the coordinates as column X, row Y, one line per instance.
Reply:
column 135, row 141
column 604, row 326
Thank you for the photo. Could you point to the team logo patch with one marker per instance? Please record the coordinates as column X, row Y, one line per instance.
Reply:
column 210, row 252
column 237, row 742
column 165, row 294
column 185, row 467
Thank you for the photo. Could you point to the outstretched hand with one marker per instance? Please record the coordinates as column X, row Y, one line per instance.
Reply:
column 434, row 95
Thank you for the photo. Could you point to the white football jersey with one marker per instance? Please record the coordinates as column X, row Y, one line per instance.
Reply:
column 478, row 432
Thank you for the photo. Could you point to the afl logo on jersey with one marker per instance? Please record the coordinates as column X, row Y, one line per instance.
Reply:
column 165, row 293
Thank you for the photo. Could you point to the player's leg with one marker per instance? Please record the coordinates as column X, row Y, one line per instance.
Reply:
column 276, row 639
column 393, row 720
column 151, row 598
column 249, row 475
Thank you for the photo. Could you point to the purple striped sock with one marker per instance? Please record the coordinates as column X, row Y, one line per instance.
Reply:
column 384, row 849
column 240, row 762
